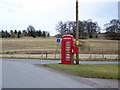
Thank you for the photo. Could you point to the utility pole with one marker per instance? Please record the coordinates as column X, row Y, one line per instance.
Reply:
column 77, row 34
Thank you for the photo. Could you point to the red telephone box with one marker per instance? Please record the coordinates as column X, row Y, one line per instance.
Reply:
column 66, row 49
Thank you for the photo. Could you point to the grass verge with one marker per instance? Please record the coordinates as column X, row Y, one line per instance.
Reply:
column 89, row 71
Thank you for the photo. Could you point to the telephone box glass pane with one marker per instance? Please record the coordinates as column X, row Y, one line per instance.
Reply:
column 67, row 51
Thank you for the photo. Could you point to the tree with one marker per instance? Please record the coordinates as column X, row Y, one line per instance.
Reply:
column 86, row 28
column 92, row 28
column 34, row 34
column 113, row 29
column 66, row 28
column 71, row 27
column 61, row 28
column 24, row 33
column 12, row 34
column 6, row 34
column 82, row 29
column 3, row 34
column 31, row 31
column 48, row 34
column 44, row 34
column 18, row 34
column 15, row 31
column 40, row 33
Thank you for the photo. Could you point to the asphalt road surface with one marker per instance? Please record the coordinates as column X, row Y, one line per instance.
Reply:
column 24, row 74
column 35, row 61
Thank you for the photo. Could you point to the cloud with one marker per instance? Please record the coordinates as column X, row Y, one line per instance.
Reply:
column 98, row 0
column 44, row 14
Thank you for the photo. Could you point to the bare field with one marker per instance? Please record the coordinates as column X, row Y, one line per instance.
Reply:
column 28, row 44
column 103, row 44
column 50, row 43
column 25, row 47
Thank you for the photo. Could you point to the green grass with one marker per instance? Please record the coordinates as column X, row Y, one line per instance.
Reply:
column 89, row 71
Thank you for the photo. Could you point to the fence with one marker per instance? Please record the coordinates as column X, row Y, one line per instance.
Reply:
column 84, row 54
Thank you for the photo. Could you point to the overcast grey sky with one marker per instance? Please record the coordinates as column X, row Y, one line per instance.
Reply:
column 45, row 14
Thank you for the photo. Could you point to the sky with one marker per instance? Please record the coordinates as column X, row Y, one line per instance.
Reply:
column 119, row 10
column 45, row 14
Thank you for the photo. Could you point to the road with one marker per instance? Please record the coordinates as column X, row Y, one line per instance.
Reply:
column 35, row 61
column 23, row 74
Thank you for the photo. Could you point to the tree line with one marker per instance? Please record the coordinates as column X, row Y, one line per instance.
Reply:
column 29, row 32
column 89, row 29
column 113, row 29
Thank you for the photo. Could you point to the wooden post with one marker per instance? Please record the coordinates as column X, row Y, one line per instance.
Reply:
column 42, row 55
column 46, row 54
column 77, row 34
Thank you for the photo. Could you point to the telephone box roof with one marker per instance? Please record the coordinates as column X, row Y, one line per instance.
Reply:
column 67, row 36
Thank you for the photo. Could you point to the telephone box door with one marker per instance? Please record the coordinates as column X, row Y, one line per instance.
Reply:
column 67, row 44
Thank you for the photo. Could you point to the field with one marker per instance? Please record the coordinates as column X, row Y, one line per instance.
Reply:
column 50, row 43
column 28, row 44
column 37, row 48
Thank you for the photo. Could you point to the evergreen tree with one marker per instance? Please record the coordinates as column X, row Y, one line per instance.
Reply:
column 48, row 34
column 6, row 34
column 12, row 34
column 24, row 33
column 40, row 33
column 3, row 34
column 18, row 34
column 44, row 34
column 15, row 31
column 34, row 34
